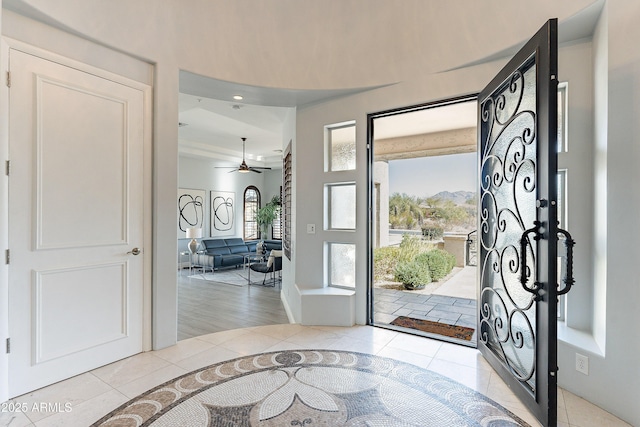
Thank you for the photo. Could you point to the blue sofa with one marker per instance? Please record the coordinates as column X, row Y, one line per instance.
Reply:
column 225, row 253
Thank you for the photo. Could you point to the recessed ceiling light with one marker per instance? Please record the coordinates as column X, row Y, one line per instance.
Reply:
column 238, row 97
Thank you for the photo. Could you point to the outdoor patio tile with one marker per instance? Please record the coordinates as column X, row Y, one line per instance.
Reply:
column 419, row 307
column 423, row 316
column 386, row 298
column 465, row 302
column 386, row 307
column 471, row 320
column 387, row 294
column 384, row 318
column 415, row 298
column 382, row 291
column 403, row 312
column 445, row 315
column 470, row 311
column 437, row 299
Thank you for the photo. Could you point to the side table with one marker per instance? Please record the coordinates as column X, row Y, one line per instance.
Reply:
column 181, row 259
column 252, row 257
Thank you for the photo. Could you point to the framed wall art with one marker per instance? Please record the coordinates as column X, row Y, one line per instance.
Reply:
column 222, row 213
column 191, row 209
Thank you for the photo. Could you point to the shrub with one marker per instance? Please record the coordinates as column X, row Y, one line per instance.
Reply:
column 413, row 274
column 384, row 262
column 411, row 246
column 440, row 262
column 385, row 259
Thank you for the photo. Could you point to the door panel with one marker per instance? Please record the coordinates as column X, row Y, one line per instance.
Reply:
column 102, row 311
column 63, row 143
column 75, row 211
column 518, row 225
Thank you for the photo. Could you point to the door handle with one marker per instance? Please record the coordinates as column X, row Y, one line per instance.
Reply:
column 134, row 251
column 568, row 279
column 524, row 241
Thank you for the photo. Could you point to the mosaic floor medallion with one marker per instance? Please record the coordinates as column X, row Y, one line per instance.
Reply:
column 311, row 388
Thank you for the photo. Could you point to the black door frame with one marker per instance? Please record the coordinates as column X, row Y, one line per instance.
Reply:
column 371, row 187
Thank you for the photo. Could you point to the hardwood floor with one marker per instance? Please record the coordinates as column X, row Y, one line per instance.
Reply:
column 205, row 307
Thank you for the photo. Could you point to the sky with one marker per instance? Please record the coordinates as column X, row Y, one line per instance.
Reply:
column 426, row 176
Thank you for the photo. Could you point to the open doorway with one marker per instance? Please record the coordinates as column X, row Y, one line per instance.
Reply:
column 219, row 282
column 424, row 218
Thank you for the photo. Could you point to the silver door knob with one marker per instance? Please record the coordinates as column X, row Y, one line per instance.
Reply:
column 134, row 251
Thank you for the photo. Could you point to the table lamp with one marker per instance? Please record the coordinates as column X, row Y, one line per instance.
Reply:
column 193, row 234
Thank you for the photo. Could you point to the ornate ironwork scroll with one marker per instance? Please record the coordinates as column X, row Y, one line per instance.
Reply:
column 508, row 144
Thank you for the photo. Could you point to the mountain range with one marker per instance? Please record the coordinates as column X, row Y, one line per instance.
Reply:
column 457, row 197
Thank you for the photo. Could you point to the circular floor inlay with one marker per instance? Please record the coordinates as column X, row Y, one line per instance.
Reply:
column 311, row 388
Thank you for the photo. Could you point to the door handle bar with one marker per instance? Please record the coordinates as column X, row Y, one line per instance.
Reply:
column 568, row 279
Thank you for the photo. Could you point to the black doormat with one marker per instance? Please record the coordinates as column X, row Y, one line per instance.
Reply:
column 453, row 331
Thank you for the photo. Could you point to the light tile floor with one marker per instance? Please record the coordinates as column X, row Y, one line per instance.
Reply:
column 81, row 400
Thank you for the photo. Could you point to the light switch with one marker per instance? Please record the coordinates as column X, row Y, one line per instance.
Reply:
column 311, row 229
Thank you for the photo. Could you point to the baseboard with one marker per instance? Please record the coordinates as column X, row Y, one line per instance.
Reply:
column 286, row 308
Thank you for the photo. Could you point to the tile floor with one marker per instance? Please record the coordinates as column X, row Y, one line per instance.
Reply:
column 82, row 400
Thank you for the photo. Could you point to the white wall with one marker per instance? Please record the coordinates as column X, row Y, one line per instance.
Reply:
column 4, row 225
column 288, row 294
column 614, row 379
column 201, row 173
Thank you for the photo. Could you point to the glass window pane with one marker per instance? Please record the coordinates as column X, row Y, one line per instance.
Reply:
column 562, row 118
column 342, row 147
column 342, row 206
column 562, row 223
column 251, row 206
column 342, row 265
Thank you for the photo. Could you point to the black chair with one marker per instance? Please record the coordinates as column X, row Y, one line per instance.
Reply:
column 273, row 265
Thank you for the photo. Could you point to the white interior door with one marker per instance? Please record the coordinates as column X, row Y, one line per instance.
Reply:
column 75, row 211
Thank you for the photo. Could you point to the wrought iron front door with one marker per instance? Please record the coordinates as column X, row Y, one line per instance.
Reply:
column 517, row 223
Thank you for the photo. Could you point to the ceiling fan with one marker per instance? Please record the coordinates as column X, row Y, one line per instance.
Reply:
column 244, row 168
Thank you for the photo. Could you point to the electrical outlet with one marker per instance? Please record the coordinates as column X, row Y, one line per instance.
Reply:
column 311, row 228
column 582, row 363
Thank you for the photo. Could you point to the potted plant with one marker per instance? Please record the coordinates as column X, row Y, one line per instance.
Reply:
column 266, row 215
column 413, row 274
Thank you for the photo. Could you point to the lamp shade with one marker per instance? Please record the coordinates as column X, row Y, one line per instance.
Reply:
column 194, row 233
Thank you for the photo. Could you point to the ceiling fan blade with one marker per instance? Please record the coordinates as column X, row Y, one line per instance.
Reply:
column 234, row 170
column 226, row 167
column 259, row 167
column 255, row 170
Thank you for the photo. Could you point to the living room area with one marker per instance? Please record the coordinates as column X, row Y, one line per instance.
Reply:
column 225, row 281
